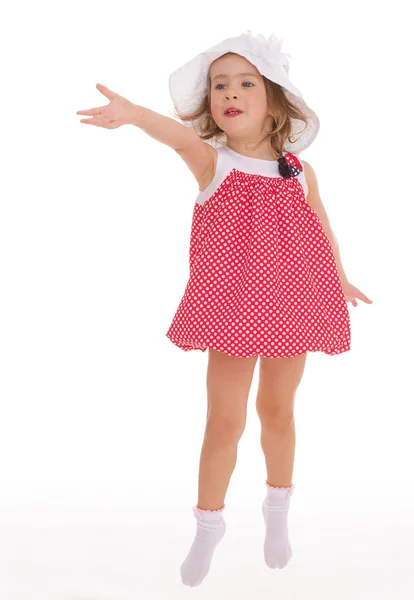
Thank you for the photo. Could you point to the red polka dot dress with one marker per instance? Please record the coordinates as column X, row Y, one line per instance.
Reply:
column 263, row 278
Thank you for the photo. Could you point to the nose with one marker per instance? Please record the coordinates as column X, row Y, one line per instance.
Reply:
column 234, row 95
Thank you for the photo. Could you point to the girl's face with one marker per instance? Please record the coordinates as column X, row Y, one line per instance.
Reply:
column 236, row 82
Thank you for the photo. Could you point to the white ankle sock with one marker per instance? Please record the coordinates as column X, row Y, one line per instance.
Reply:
column 211, row 528
column 277, row 548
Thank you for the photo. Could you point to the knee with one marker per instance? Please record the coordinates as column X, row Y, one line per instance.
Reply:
column 276, row 417
column 224, row 430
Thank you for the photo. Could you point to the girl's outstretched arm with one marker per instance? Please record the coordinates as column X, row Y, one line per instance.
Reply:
column 164, row 129
column 120, row 111
column 199, row 156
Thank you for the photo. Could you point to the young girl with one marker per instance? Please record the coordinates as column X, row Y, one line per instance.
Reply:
column 266, row 277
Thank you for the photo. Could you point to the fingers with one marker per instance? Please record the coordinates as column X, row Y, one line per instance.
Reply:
column 91, row 122
column 364, row 298
column 105, row 91
column 91, row 112
column 105, row 123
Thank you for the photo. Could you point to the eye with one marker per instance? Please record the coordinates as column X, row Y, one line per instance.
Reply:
column 249, row 82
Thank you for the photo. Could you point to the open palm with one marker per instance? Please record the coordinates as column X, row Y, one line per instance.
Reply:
column 119, row 111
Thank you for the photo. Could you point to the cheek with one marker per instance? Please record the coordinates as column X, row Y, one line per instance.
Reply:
column 258, row 103
column 216, row 109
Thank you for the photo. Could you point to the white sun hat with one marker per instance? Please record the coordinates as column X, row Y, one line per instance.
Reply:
column 188, row 84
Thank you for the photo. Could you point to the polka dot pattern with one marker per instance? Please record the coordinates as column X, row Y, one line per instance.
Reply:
column 263, row 277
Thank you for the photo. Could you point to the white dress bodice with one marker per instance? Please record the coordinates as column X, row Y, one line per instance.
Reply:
column 228, row 159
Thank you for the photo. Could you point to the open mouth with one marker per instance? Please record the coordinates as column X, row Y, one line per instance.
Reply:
column 233, row 112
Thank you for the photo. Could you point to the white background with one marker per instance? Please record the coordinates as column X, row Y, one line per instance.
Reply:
column 102, row 417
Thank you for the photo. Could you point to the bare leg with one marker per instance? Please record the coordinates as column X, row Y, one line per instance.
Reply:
column 279, row 379
column 278, row 441
column 228, row 384
column 217, row 462
column 278, row 382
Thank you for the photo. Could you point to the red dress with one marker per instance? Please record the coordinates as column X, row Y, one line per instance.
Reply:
column 263, row 278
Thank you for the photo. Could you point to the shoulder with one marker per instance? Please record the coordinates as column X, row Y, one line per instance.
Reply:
column 307, row 167
column 311, row 179
column 313, row 197
column 309, row 172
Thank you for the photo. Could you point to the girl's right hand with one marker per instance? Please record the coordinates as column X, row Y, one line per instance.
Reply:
column 119, row 111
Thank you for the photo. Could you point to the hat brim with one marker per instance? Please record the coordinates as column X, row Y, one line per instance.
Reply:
column 188, row 84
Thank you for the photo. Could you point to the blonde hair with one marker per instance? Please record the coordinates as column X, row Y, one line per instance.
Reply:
column 280, row 108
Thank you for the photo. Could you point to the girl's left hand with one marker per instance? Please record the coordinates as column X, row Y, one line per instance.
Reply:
column 351, row 293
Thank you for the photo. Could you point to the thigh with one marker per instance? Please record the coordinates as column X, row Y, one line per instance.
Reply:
column 279, row 379
column 229, row 380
